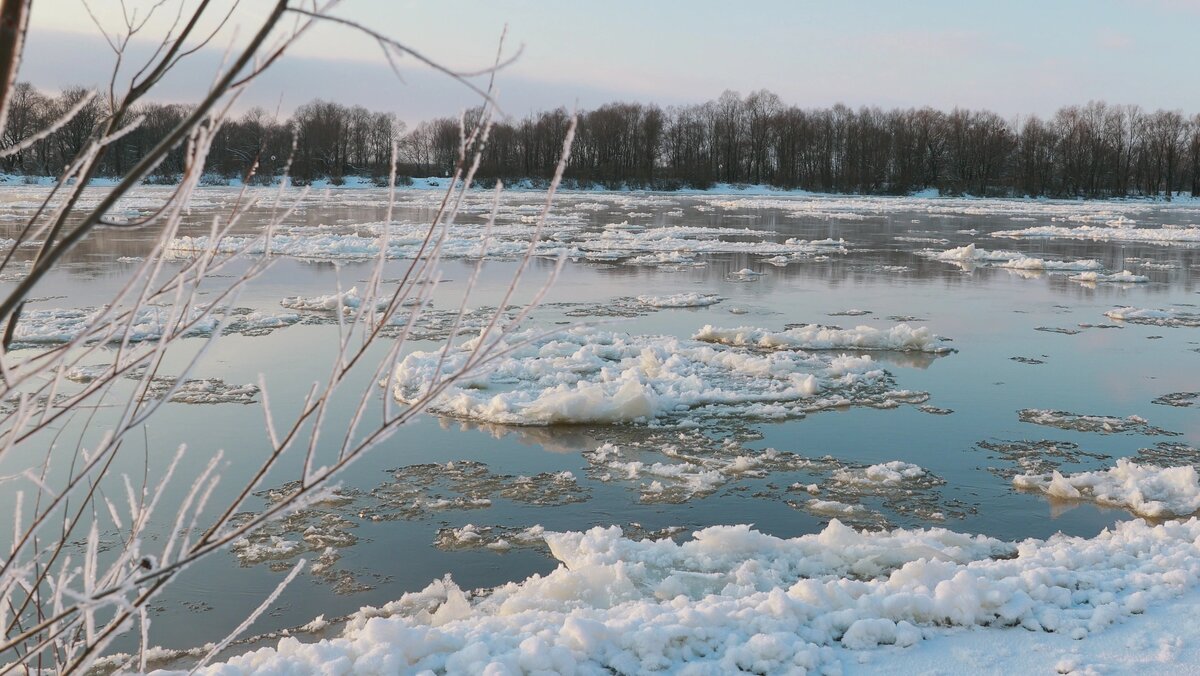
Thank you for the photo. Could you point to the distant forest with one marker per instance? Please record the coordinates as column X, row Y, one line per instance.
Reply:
column 1093, row 150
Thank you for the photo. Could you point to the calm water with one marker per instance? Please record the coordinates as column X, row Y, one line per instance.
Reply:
column 991, row 314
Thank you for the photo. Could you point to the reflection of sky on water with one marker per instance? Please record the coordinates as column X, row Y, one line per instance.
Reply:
column 989, row 313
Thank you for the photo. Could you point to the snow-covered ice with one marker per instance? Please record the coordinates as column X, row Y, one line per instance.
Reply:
column 59, row 325
column 1171, row 317
column 587, row 375
column 1103, row 233
column 686, row 299
column 1122, row 277
column 901, row 337
column 733, row 599
column 1142, row 489
column 969, row 256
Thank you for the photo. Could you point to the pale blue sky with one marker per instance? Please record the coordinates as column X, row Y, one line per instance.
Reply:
column 1014, row 57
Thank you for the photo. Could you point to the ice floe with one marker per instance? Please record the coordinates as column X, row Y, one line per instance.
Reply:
column 634, row 244
column 1035, row 456
column 1144, row 490
column 889, row 473
column 1122, row 277
column 1167, row 234
column 586, row 375
column 1180, row 399
column 1171, row 317
column 969, row 256
column 687, row 299
column 1102, row 424
column 58, row 325
column 902, row 338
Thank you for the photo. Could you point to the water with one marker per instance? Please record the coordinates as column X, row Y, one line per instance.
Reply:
column 382, row 549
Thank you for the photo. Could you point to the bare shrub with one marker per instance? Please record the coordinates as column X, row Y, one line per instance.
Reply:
column 64, row 596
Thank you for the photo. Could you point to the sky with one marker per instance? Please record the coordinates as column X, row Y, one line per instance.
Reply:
column 1015, row 57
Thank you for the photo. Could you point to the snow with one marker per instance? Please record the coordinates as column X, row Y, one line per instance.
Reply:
column 733, row 599
column 587, row 375
column 1142, row 489
column 688, row 299
column 900, row 337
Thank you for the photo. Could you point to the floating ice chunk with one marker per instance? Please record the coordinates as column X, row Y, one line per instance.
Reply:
column 1118, row 232
column 1170, row 317
column 1102, row 424
column 889, row 473
column 689, row 299
column 208, row 391
column 1179, row 399
column 901, row 337
column 59, row 325
column 971, row 255
column 834, row 508
column 496, row 538
column 347, row 300
column 587, row 375
column 89, row 373
column 1122, row 277
column 1029, row 263
column 1142, row 489
column 255, row 323
column 691, row 466
column 745, row 275
column 273, row 548
column 667, row 258
column 635, row 243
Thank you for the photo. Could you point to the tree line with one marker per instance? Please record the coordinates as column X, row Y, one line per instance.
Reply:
column 1093, row 150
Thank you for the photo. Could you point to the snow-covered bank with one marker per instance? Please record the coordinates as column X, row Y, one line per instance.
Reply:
column 732, row 599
